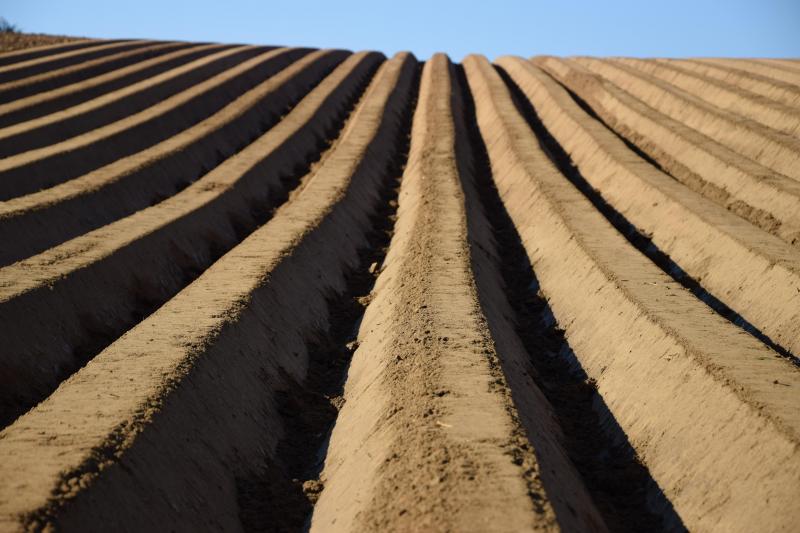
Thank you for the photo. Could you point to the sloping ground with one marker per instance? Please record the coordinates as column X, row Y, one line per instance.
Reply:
column 272, row 289
column 16, row 41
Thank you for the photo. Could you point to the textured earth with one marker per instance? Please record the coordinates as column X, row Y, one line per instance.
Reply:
column 281, row 289
column 15, row 40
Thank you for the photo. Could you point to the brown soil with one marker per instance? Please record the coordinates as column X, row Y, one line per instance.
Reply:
column 283, row 289
column 18, row 41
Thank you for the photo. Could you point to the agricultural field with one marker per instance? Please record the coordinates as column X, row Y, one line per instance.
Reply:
column 285, row 289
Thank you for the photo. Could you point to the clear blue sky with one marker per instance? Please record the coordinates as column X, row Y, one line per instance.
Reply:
column 675, row 28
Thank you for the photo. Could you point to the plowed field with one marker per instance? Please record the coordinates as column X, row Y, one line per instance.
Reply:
column 282, row 289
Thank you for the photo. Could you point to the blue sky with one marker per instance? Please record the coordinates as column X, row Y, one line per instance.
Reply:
column 675, row 28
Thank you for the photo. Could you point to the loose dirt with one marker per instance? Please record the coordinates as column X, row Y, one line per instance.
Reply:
column 246, row 288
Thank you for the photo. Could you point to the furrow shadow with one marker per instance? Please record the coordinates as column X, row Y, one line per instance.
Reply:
column 640, row 241
column 620, row 485
column 282, row 494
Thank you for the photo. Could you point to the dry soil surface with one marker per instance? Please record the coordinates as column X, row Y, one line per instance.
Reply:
column 251, row 288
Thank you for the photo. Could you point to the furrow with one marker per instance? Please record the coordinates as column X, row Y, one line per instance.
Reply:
column 282, row 494
column 793, row 63
column 779, row 91
column 88, row 291
column 161, row 73
column 765, row 198
column 32, row 223
column 31, row 67
column 44, row 167
column 31, row 140
column 754, row 273
column 725, row 96
column 16, row 89
column 210, row 366
column 57, row 90
column 546, row 381
column 707, row 408
column 18, row 56
column 758, row 68
column 426, row 406
column 785, row 65
column 773, row 149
